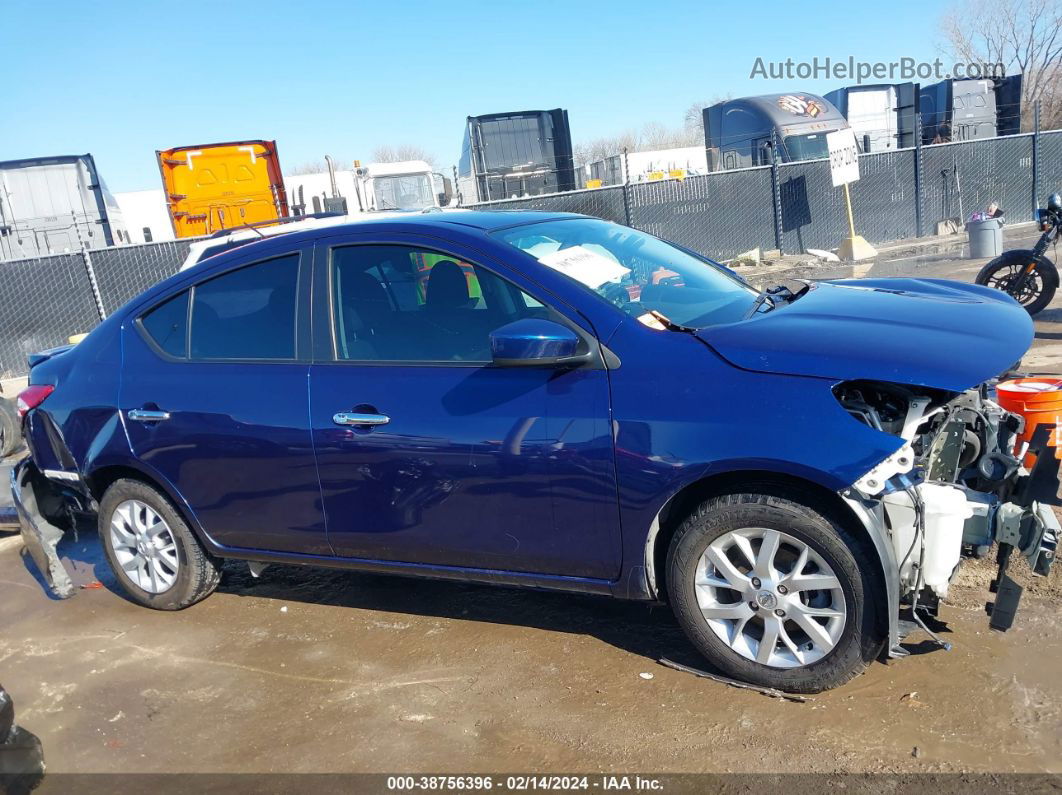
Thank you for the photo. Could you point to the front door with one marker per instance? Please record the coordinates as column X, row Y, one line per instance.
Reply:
column 214, row 399
column 450, row 460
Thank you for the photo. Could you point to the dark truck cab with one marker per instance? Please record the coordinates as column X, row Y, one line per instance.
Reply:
column 740, row 133
column 967, row 110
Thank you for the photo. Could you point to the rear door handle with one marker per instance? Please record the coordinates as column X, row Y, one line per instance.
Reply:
column 147, row 415
column 357, row 418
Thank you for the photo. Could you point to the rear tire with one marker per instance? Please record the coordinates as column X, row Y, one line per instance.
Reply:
column 151, row 550
column 1038, row 291
column 818, row 638
column 10, row 429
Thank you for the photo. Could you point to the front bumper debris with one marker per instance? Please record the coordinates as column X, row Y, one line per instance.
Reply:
column 40, row 536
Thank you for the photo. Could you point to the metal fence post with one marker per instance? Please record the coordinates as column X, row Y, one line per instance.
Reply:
column 626, row 191
column 919, row 222
column 776, row 192
column 1036, row 158
column 93, row 284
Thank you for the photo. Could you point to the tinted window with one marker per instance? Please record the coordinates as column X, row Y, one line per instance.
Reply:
column 394, row 303
column 167, row 325
column 248, row 313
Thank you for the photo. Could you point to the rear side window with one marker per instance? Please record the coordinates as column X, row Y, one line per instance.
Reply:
column 167, row 325
column 247, row 313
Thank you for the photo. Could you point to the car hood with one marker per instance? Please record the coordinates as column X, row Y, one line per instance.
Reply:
column 927, row 332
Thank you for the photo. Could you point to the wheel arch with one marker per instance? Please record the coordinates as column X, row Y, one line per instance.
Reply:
column 799, row 489
column 105, row 473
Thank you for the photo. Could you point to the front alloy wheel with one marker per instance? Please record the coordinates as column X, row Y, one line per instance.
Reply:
column 770, row 597
column 776, row 592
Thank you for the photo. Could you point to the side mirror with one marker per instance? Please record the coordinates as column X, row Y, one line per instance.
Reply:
column 446, row 195
column 533, row 342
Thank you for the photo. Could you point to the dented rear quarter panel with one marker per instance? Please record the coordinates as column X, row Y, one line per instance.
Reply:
column 85, row 426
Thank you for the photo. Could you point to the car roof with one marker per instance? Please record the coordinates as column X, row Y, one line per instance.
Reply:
column 482, row 220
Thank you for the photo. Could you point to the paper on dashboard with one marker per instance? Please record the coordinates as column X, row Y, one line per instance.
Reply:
column 584, row 265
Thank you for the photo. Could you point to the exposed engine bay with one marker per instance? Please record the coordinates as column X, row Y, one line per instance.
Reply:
column 955, row 487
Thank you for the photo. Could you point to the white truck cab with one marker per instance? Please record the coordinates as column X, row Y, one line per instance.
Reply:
column 404, row 185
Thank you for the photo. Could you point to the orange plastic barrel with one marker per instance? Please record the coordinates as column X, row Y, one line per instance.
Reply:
column 1039, row 401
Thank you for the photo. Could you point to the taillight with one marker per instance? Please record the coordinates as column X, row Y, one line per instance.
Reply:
column 31, row 397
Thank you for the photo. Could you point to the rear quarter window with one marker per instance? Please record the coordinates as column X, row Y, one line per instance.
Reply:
column 167, row 325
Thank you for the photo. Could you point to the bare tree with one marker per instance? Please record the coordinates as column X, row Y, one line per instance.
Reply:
column 310, row 167
column 652, row 135
column 1023, row 35
column 693, row 120
column 394, row 154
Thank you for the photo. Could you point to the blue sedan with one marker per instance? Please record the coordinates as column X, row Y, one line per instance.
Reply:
column 549, row 401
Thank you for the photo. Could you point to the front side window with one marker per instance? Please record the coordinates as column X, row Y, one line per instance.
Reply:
column 635, row 271
column 399, row 303
column 247, row 313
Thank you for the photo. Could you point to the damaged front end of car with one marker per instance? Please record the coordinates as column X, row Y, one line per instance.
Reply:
column 955, row 487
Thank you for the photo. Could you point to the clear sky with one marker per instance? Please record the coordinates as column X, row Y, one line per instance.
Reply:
column 123, row 78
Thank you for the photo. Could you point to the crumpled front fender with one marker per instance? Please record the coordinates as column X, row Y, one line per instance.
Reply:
column 868, row 512
column 41, row 537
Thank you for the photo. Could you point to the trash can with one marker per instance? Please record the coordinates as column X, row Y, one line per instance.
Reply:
column 985, row 237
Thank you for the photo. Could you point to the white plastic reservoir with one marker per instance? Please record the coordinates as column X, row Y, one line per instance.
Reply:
column 946, row 512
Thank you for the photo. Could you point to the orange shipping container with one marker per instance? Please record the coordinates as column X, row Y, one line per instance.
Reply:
column 220, row 186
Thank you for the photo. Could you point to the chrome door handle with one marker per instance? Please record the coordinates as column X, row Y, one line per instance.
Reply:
column 356, row 418
column 147, row 415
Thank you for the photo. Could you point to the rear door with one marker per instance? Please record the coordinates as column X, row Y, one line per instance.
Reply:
column 213, row 395
column 469, row 464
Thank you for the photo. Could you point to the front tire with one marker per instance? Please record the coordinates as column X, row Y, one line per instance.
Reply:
column 772, row 592
column 151, row 550
column 1003, row 272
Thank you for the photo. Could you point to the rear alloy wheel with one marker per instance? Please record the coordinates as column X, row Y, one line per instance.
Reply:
column 153, row 553
column 144, row 546
column 772, row 592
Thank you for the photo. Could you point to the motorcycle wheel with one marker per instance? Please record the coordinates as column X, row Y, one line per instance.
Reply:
column 1034, row 292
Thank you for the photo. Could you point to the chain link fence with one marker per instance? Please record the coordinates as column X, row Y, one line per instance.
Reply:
column 125, row 272
column 901, row 193
column 46, row 300
column 1049, row 164
column 606, row 203
column 724, row 213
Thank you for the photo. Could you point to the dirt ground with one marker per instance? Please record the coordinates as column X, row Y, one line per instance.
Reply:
column 325, row 671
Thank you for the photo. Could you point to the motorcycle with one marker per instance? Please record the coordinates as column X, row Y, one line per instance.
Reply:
column 1026, row 275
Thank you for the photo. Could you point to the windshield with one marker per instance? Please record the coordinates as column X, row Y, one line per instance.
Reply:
column 807, row 147
column 411, row 192
column 635, row 271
